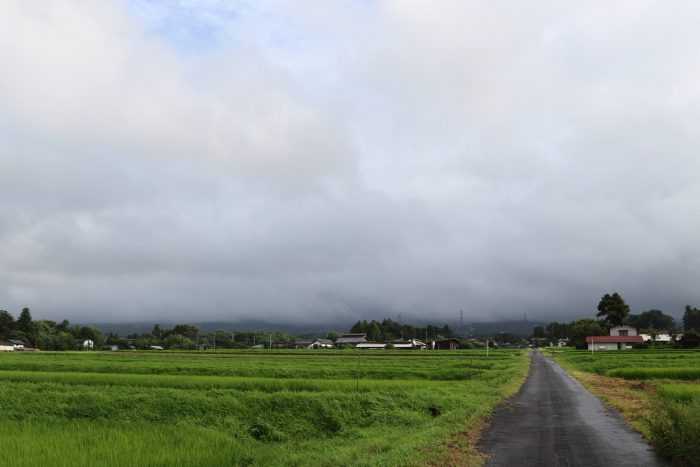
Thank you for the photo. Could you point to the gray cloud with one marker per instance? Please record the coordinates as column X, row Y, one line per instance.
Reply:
column 300, row 161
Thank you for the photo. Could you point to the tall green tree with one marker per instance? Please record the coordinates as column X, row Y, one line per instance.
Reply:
column 613, row 308
column 7, row 323
column 691, row 318
column 25, row 325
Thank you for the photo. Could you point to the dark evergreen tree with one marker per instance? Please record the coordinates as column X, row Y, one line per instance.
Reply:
column 613, row 308
column 691, row 318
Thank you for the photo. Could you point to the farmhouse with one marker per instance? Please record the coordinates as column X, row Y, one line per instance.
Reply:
column 350, row 340
column 620, row 338
column 321, row 344
column 623, row 330
column 17, row 344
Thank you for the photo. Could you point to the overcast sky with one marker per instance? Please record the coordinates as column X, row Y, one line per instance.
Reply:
column 325, row 160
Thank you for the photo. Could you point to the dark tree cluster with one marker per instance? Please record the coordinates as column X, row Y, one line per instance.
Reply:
column 187, row 337
column 388, row 330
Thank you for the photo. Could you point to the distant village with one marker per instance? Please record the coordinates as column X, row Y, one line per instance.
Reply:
column 614, row 328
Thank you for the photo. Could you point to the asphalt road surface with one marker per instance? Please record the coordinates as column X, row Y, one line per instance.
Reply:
column 554, row 421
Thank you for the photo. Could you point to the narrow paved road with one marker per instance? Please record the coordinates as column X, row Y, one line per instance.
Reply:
column 554, row 421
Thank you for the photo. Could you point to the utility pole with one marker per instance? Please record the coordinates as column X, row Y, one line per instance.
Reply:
column 270, row 341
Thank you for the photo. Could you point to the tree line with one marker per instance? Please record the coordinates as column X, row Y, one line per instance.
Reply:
column 46, row 334
column 614, row 311
column 50, row 335
column 388, row 330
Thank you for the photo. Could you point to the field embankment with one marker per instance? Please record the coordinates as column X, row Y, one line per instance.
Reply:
column 249, row 408
column 657, row 391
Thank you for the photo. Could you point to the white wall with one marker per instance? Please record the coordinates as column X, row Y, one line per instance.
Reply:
column 602, row 346
column 615, row 330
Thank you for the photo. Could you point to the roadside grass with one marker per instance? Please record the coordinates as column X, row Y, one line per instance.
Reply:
column 682, row 373
column 657, row 392
column 241, row 408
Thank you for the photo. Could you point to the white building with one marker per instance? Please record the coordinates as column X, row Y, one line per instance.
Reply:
column 321, row 344
column 663, row 337
column 621, row 338
column 623, row 330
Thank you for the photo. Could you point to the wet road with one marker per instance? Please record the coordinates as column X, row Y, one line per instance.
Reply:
column 554, row 421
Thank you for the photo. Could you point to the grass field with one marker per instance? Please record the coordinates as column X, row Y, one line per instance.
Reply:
column 249, row 408
column 658, row 390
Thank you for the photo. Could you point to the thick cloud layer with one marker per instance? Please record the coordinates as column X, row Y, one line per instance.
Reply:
column 323, row 161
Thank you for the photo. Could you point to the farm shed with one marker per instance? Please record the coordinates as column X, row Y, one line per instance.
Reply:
column 409, row 344
column 371, row 346
column 445, row 344
column 612, row 342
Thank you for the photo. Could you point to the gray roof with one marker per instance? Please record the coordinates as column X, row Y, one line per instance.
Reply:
column 351, row 339
column 323, row 341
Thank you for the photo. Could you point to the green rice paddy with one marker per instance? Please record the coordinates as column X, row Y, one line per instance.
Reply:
column 246, row 408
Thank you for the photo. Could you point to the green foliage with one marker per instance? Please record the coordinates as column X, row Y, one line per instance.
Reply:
column 556, row 330
column 613, row 308
column 653, row 319
column 388, row 330
column 675, row 431
column 683, row 373
column 691, row 318
column 7, row 324
column 178, row 341
column 690, row 339
column 680, row 392
column 585, row 327
column 190, row 331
